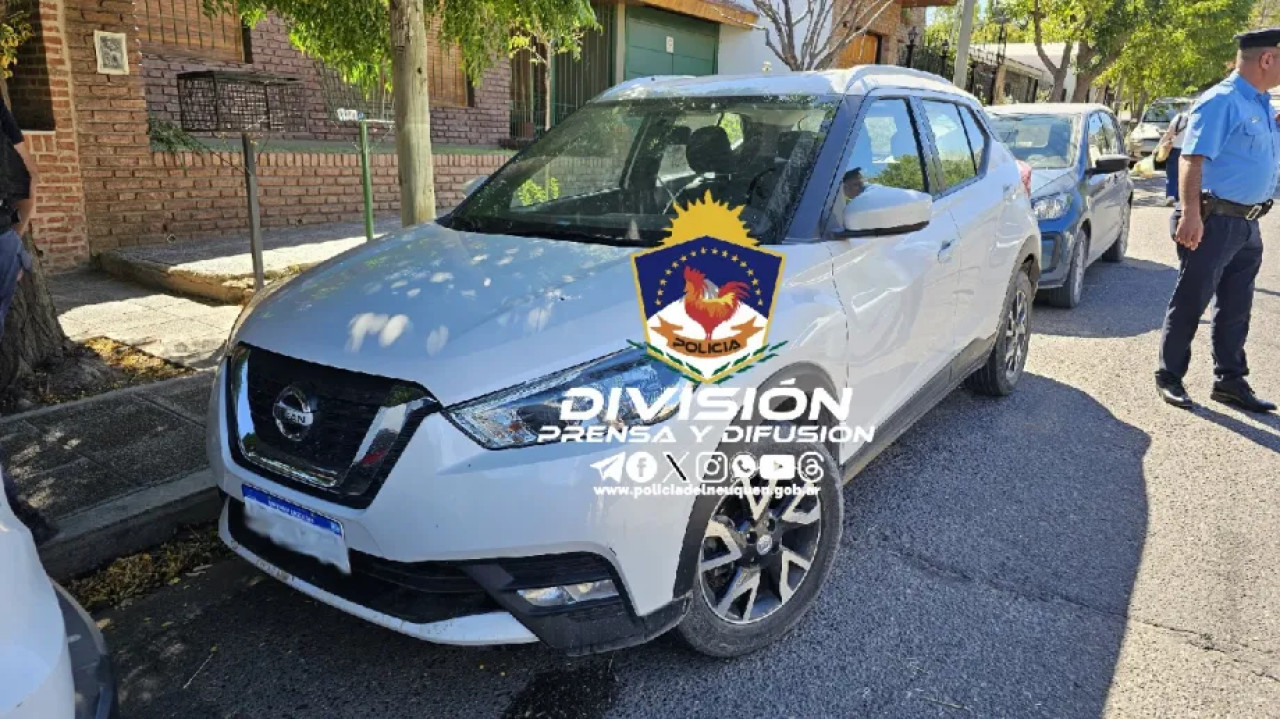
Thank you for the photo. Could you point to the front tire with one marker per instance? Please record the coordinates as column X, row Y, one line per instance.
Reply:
column 1000, row 375
column 763, row 561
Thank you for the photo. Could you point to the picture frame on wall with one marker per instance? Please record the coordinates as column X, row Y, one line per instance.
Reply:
column 113, row 52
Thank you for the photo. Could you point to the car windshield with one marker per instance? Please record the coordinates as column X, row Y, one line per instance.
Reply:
column 613, row 172
column 1044, row 142
column 1162, row 113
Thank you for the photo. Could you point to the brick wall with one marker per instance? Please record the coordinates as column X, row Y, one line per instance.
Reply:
column 59, row 225
column 204, row 194
column 484, row 123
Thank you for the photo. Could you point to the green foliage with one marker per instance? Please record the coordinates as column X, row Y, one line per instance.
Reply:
column 904, row 174
column 354, row 36
column 167, row 137
column 1188, row 48
column 532, row 193
column 15, row 29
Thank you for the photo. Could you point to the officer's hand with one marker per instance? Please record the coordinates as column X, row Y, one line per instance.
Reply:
column 1190, row 232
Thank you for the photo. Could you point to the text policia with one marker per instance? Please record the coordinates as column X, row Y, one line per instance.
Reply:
column 589, row 415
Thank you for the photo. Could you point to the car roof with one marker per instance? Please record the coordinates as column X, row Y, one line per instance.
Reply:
column 855, row 80
column 1049, row 108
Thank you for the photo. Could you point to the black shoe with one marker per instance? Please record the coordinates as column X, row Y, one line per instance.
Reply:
column 1172, row 391
column 41, row 529
column 1240, row 394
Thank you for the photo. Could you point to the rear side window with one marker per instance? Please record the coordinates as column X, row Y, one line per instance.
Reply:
column 953, row 145
column 977, row 137
column 887, row 151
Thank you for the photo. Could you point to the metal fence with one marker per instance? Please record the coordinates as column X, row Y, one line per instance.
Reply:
column 574, row 81
column 984, row 70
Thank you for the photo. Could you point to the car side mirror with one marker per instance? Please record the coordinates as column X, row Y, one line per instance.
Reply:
column 879, row 211
column 1108, row 164
column 473, row 184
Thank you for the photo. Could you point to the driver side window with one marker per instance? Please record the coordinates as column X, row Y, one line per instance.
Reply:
column 1097, row 139
column 887, row 151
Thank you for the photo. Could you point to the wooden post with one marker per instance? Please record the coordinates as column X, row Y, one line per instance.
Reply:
column 255, row 216
column 409, row 79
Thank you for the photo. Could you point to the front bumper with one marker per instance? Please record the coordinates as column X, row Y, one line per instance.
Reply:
column 91, row 669
column 490, row 522
column 1057, row 239
column 1140, row 149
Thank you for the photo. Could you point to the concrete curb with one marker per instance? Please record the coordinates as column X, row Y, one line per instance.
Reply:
column 200, row 375
column 137, row 521
column 166, row 277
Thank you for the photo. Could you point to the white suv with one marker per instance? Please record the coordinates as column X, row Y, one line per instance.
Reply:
column 386, row 427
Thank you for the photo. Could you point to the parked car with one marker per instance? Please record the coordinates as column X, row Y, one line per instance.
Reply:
column 53, row 661
column 1151, row 127
column 1080, row 188
column 377, row 425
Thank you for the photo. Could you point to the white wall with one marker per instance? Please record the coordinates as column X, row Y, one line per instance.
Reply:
column 742, row 51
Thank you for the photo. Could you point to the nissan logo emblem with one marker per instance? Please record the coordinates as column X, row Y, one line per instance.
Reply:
column 294, row 412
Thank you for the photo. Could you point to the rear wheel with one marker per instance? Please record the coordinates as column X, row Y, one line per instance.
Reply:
column 1117, row 250
column 1008, row 356
column 764, row 558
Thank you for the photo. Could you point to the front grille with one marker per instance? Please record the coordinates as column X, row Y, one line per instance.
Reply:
column 359, row 424
column 347, row 401
column 419, row 592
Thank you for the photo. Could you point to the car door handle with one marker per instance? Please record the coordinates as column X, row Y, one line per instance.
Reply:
column 946, row 250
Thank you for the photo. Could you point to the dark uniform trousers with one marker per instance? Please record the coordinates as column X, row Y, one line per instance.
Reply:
column 10, row 246
column 1223, row 266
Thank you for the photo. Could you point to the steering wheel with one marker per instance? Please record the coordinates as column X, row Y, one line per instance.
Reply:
column 751, row 187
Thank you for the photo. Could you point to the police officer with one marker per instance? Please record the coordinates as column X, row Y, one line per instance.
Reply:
column 1229, row 168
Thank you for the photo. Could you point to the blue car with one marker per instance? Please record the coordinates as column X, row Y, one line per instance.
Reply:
column 1080, row 188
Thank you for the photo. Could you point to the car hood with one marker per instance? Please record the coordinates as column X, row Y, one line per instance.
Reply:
column 1052, row 181
column 459, row 313
column 1148, row 131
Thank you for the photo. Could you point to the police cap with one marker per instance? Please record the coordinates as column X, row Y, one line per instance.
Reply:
column 1266, row 37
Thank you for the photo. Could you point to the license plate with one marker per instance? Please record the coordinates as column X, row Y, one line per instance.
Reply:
column 296, row 528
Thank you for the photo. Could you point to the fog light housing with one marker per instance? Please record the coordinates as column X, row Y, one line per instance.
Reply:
column 569, row 594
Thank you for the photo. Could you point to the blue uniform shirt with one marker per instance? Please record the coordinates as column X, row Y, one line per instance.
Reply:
column 1233, row 127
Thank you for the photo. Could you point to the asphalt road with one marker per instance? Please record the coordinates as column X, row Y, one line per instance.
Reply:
column 1074, row 550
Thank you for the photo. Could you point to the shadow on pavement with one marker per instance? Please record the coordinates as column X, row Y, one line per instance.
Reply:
column 1117, row 302
column 1238, row 422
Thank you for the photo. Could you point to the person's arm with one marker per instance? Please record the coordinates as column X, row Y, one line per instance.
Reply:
column 1191, row 226
column 1208, row 124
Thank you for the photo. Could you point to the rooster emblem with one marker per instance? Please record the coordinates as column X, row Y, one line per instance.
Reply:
column 707, row 292
column 709, row 305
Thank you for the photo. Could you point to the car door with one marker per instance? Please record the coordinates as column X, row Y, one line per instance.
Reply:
column 1104, row 211
column 960, row 152
column 896, row 290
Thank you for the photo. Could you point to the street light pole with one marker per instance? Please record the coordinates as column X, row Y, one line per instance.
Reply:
column 962, row 46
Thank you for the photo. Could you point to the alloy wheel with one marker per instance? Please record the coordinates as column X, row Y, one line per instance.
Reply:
column 1017, row 334
column 757, row 549
column 1077, row 272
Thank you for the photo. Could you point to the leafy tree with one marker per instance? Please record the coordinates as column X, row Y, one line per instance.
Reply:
column 366, row 41
column 1189, row 47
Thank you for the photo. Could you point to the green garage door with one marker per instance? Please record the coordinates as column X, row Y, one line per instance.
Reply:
column 664, row 43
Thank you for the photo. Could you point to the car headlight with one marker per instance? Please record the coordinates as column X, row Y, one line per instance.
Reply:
column 513, row 417
column 1051, row 207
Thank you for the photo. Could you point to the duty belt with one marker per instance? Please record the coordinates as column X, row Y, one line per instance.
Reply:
column 1210, row 205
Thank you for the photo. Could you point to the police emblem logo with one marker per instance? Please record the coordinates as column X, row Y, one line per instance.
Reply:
column 707, row 293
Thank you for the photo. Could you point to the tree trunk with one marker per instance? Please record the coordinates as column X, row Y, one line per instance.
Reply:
column 546, row 80
column 32, row 335
column 409, row 81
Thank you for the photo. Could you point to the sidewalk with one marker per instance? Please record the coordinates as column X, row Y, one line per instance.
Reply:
column 118, row 472
column 220, row 269
column 181, row 330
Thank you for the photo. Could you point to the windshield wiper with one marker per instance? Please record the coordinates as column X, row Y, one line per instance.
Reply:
column 575, row 235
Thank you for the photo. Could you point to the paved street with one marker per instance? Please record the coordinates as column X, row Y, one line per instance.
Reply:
column 1074, row 550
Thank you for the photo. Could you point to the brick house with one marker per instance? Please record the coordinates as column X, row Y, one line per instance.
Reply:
column 102, row 184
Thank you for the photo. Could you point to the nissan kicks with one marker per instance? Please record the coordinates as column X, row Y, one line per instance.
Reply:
column 757, row 282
